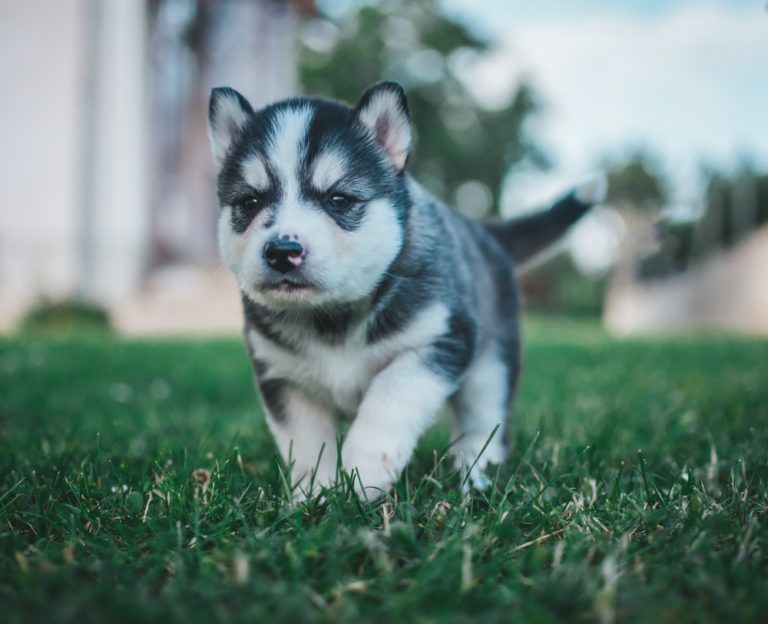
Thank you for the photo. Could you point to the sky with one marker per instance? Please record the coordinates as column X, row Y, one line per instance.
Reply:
column 685, row 80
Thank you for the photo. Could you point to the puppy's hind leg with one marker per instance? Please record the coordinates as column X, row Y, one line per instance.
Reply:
column 481, row 406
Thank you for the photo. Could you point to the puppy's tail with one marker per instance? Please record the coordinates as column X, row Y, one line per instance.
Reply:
column 525, row 238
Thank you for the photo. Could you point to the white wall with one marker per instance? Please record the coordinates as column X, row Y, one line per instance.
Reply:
column 76, row 152
column 116, row 176
column 39, row 126
column 47, row 248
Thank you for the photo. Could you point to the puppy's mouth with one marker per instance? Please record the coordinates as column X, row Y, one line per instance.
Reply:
column 288, row 290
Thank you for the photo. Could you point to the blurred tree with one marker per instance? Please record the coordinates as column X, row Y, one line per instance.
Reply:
column 635, row 185
column 460, row 145
column 637, row 192
column 734, row 205
column 673, row 255
column 558, row 287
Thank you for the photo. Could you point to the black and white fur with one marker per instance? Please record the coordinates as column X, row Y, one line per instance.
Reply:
column 365, row 297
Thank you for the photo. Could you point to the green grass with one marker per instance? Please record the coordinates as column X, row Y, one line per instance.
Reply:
column 636, row 492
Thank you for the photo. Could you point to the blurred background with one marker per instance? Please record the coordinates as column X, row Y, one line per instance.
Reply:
column 108, row 204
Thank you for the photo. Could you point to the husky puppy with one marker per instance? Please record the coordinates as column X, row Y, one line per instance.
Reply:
column 364, row 297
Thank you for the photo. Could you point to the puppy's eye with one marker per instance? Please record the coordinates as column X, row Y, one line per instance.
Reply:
column 339, row 201
column 252, row 204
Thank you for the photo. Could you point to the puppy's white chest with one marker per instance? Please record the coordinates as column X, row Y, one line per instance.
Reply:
column 339, row 374
column 342, row 373
column 336, row 374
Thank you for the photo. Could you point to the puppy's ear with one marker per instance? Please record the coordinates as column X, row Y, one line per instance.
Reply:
column 383, row 110
column 228, row 112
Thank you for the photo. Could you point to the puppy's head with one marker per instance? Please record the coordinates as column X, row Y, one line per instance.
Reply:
column 312, row 193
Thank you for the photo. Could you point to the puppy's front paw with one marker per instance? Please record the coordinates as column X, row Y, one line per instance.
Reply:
column 309, row 480
column 373, row 472
column 473, row 465
column 478, row 481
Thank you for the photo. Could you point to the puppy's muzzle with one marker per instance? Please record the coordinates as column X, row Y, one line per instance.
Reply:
column 284, row 254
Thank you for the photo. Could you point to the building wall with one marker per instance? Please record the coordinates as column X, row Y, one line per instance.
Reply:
column 41, row 75
column 727, row 291
column 85, row 197
column 114, row 203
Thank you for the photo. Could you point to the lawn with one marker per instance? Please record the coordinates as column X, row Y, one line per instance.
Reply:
column 637, row 491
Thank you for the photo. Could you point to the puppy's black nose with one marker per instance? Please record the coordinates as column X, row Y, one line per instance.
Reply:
column 283, row 254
